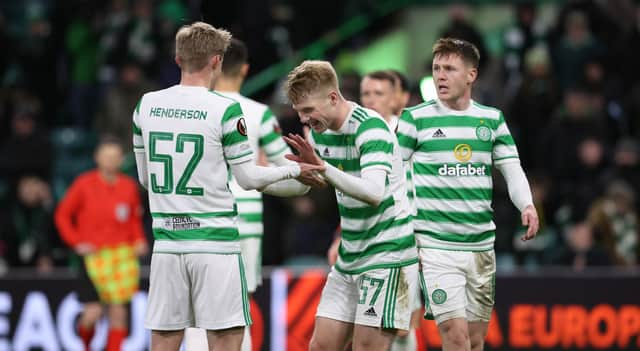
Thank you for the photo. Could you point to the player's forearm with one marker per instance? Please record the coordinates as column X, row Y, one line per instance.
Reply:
column 286, row 188
column 517, row 184
column 251, row 176
column 369, row 188
column 141, row 165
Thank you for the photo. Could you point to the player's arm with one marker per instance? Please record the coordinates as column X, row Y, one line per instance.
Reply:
column 368, row 188
column 251, row 176
column 240, row 157
column 274, row 147
column 407, row 135
column 506, row 159
column 375, row 161
column 139, row 149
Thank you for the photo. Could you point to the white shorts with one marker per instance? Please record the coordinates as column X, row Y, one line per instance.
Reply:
column 458, row 284
column 201, row 290
column 251, row 249
column 375, row 298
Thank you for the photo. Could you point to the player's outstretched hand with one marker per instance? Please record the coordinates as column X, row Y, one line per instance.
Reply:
column 530, row 220
column 304, row 148
column 310, row 175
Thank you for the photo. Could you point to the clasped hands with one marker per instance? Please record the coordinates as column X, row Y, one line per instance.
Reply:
column 310, row 164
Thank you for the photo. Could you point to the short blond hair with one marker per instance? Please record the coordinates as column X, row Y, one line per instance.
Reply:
column 196, row 43
column 309, row 77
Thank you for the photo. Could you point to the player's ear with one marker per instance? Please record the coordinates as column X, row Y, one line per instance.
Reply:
column 177, row 59
column 215, row 61
column 333, row 97
column 472, row 74
column 244, row 70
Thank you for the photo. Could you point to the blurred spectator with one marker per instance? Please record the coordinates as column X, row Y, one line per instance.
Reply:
column 171, row 15
column 605, row 95
column 28, row 149
column 626, row 165
column 575, row 48
column 142, row 37
column 26, row 226
column 82, row 45
column 580, row 250
column 460, row 27
column 532, row 108
column 518, row 39
column 587, row 183
column 559, row 144
column 616, row 219
column 113, row 24
column 114, row 114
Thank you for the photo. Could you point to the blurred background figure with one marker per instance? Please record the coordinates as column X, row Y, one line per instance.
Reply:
column 100, row 219
column 581, row 250
column 26, row 227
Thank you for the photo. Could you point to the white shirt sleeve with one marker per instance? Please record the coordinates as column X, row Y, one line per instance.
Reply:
column 368, row 188
column 517, row 184
column 141, row 165
column 286, row 188
column 251, row 176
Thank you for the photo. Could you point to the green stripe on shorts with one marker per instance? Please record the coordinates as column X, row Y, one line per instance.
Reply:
column 390, row 299
column 428, row 314
column 245, row 294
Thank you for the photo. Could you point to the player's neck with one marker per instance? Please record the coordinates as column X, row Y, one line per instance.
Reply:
column 196, row 79
column 226, row 84
column 343, row 110
column 459, row 104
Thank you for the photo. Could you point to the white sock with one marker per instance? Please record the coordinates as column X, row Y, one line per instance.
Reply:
column 246, row 340
column 195, row 339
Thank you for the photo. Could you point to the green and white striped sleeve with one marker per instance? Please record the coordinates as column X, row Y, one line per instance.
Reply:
column 407, row 135
column 235, row 143
column 504, row 147
column 271, row 141
column 375, row 143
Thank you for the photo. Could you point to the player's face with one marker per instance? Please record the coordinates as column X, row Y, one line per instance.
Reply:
column 402, row 98
column 315, row 111
column 378, row 95
column 452, row 77
column 109, row 158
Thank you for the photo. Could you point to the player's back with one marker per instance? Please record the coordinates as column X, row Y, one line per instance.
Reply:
column 263, row 133
column 189, row 134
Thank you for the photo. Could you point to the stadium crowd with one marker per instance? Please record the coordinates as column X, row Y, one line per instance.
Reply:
column 570, row 92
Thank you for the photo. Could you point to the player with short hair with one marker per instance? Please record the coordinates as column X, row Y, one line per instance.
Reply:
column 455, row 143
column 367, row 291
column 184, row 138
column 263, row 132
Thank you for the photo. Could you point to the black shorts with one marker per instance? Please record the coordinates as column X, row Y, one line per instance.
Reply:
column 84, row 288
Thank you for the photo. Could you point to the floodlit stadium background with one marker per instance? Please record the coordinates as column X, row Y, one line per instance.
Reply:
column 564, row 73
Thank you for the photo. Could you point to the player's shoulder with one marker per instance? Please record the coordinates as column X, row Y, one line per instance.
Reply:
column 368, row 119
column 423, row 110
column 249, row 106
column 218, row 99
column 486, row 111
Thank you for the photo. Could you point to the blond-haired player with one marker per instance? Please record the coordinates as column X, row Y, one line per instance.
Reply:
column 184, row 138
column 367, row 294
